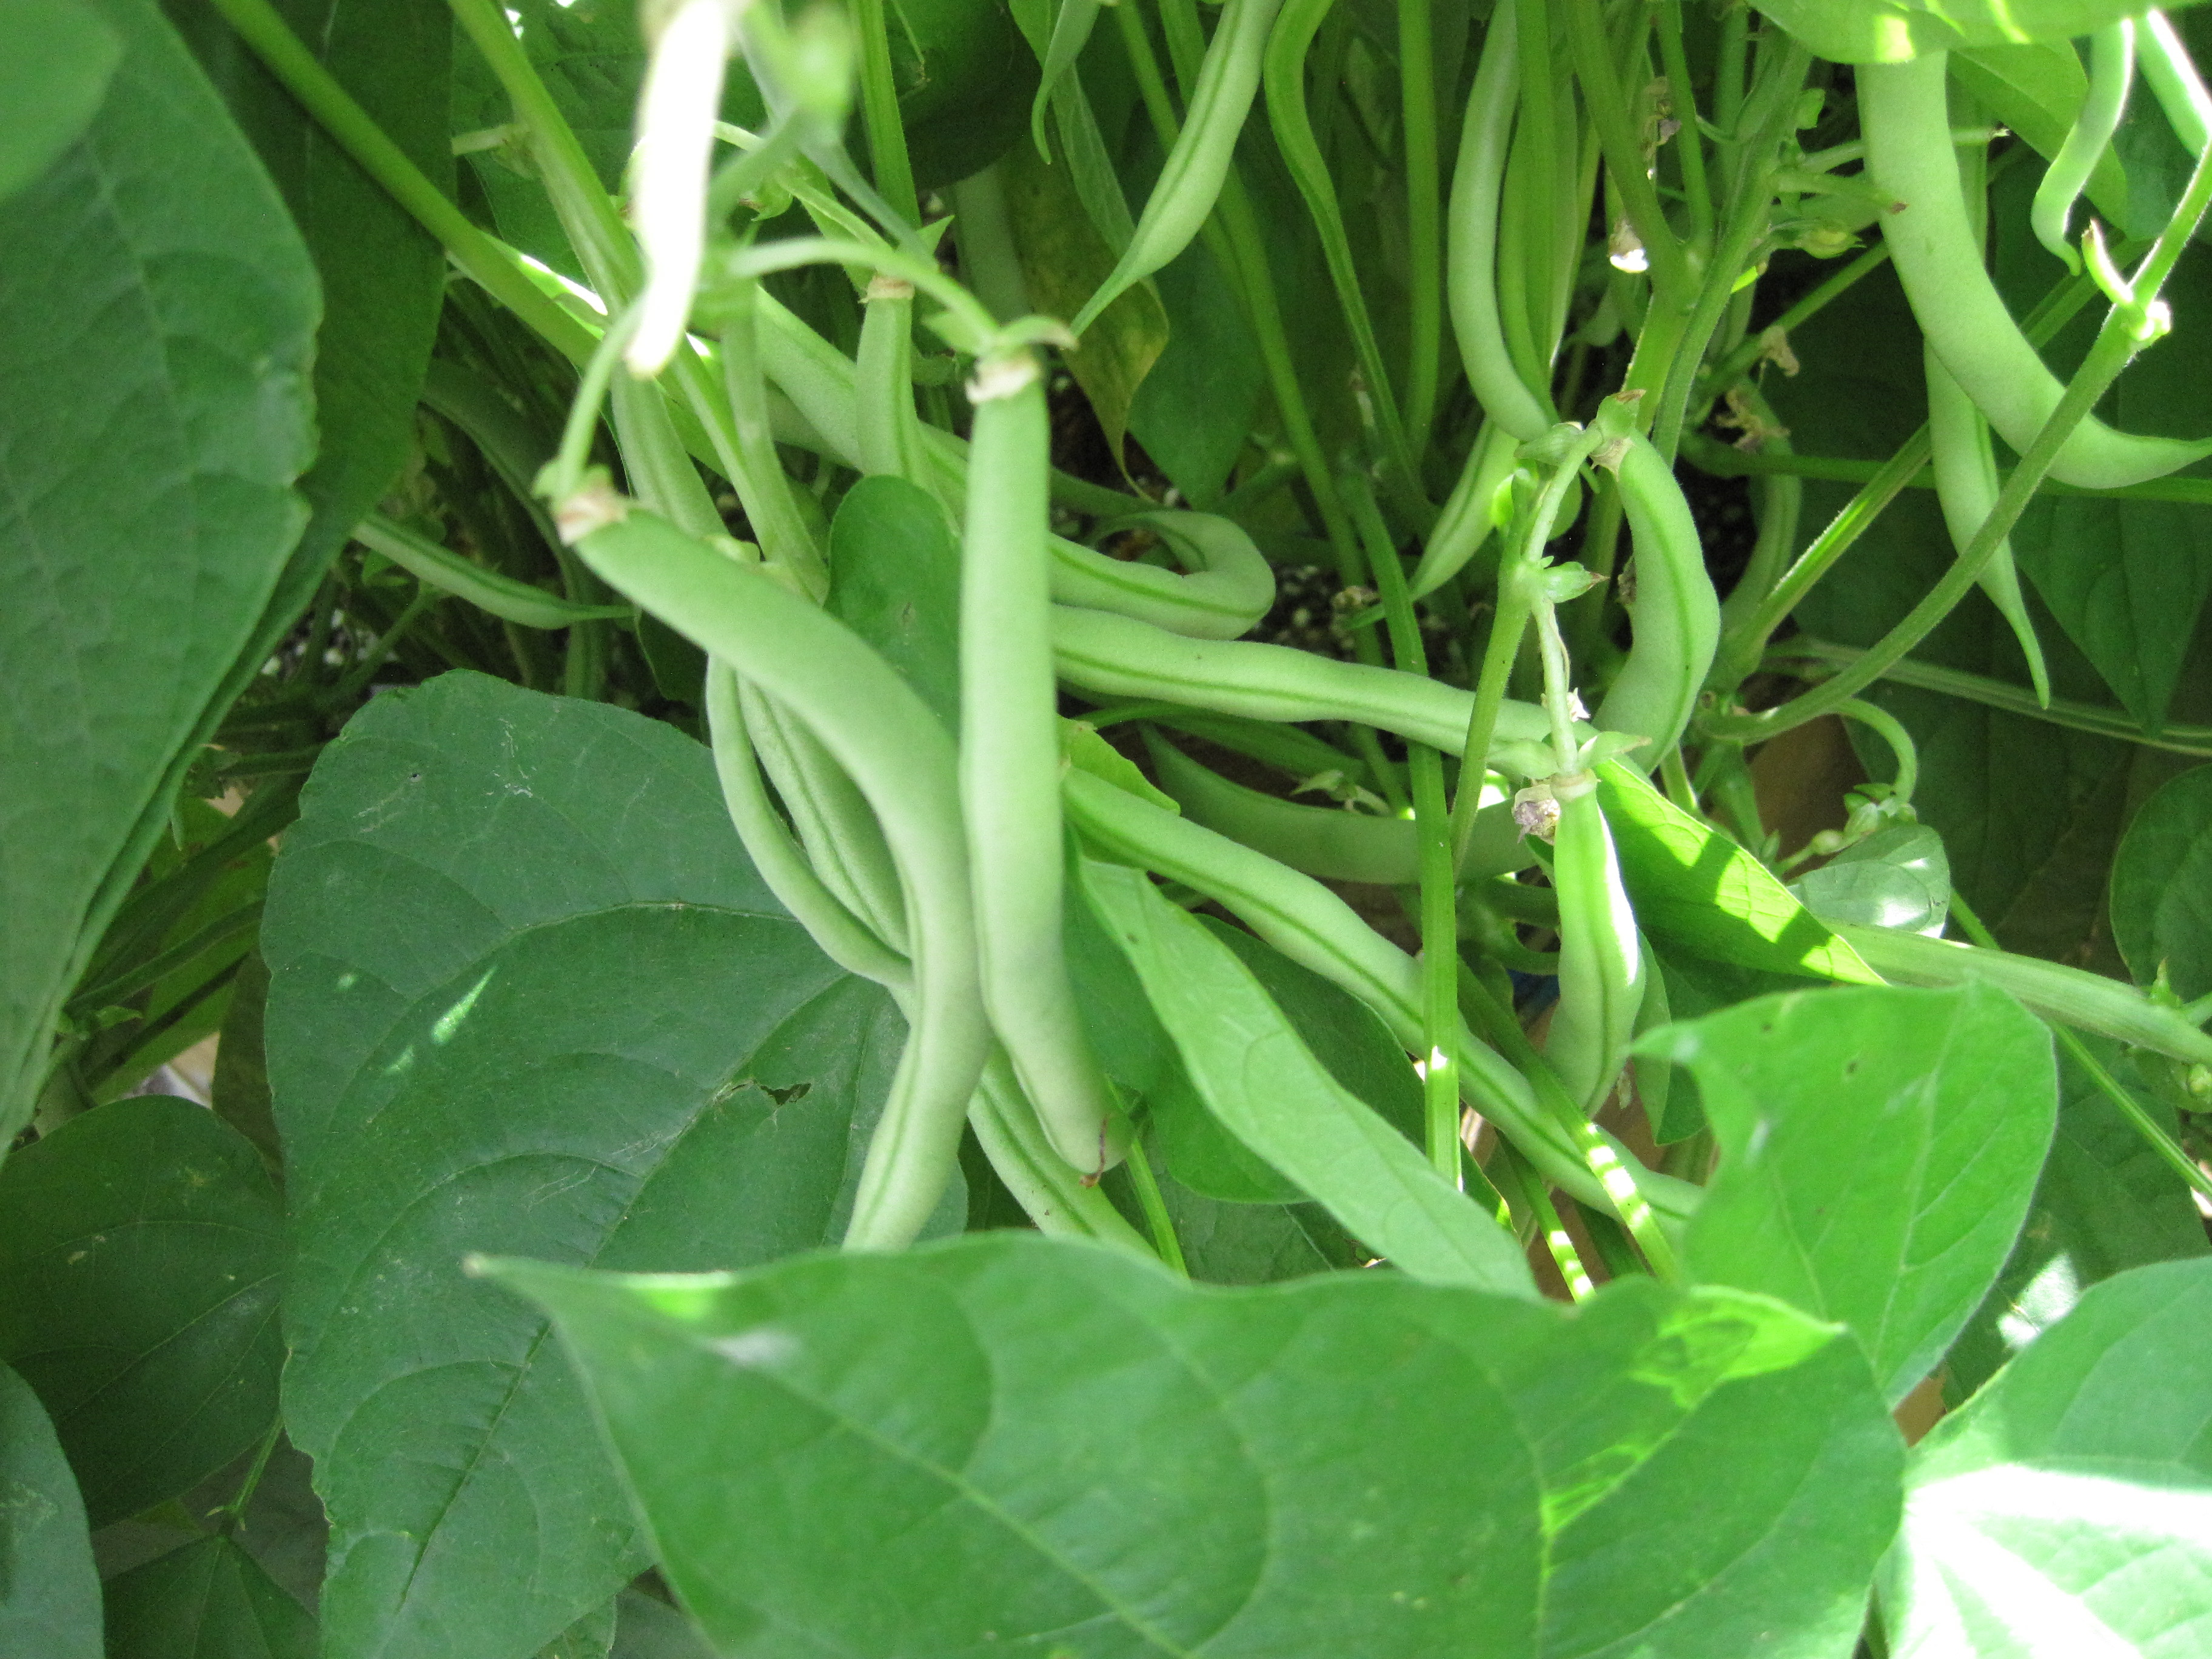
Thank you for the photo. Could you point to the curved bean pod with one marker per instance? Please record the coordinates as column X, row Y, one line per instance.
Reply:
column 2111, row 67
column 2174, row 82
column 1198, row 164
column 1010, row 761
column 1965, row 472
column 1905, row 117
column 1471, row 237
column 884, row 736
column 1601, row 968
column 1315, row 928
column 1096, row 651
column 1224, row 598
column 1677, row 615
column 1466, row 522
column 2070, row 996
column 1326, row 842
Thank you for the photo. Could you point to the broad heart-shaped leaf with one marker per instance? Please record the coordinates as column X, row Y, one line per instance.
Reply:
column 1246, row 1059
column 2105, row 1202
column 1900, row 877
column 1892, row 31
column 145, row 503
column 2065, row 1512
column 55, row 73
column 1879, row 1148
column 895, row 580
column 49, row 1590
column 525, row 993
column 139, row 1250
column 1010, row 1444
column 383, row 275
column 2162, row 886
column 209, row 1599
column 1693, row 888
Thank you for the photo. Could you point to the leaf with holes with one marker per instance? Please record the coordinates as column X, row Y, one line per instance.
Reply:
column 525, row 993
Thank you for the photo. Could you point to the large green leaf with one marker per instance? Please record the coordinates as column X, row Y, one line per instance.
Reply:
column 51, row 81
column 2066, row 1511
column 2162, row 886
column 1246, row 1059
column 895, row 580
column 139, row 1250
column 166, row 323
column 2105, row 1202
column 1879, row 1148
column 49, row 1591
column 209, row 1599
column 525, row 993
column 1695, row 888
column 1891, row 31
column 383, row 275
column 1018, row 1445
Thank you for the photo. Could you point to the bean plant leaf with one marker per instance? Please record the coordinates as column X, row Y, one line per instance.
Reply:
column 49, row 1590
column 1898, row 877
column 1892, row 30
column 2066, row 1509
column 646, row 1628
column 1034, row 1446
column 2104, row 1202
column 1879, row 1148
column 895, row 580
column 167, row 324
column 1246, row 1059
column 59, row 56
column 526, row 992
column 383, row 276
column 208, row 1599
column 2162, row 887
column 1195, row 407
column 140, row 1246
column 1695, row 888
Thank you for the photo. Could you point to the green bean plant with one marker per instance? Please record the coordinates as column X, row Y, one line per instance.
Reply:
column 1291, row 829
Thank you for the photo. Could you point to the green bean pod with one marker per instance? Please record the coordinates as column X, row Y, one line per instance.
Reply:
column 1326, row 842
column 882, row 733
column 2174, row 82
column 2071, row 996
column 887, row 428
column 1675, row 614
column 1907, row 119
column 1316, row 929
column 1965, row 469
column 1010, row 761
column 2111, row 67
column 1224, row 597
column 1600, row 964
column 1117, row 657
column 1471, row 236
column 1469, row 517
column 502, row 596
column 1198, row 164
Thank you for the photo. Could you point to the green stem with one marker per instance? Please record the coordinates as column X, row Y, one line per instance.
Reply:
column 1423, row 220
column 1160, row 1224
column 1611, row 111
column 879, row 110
column 1689, row 141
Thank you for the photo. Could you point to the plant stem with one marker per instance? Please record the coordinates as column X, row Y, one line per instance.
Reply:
column 1423, row 220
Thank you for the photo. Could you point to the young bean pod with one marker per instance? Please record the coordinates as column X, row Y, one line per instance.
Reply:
column 2174, row 80
column 1907, row 119
column 1114, row 656
column 2111, row 67
column 882, row 733
column 1326, row 842
column 1676, row 616
column 1010, row 760
column 888, row 431
column 1602, row 967
column 1231, row 589
column 1198, row 164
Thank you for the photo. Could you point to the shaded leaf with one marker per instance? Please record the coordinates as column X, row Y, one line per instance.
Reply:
column 1900, row 877
column 1879, row 1150
column 525, row 993
column 2162, row 887
column 1036, row 1445
column 49, row 1593
column 1696, row 890
column 2066, row 1510
column 59, row 56
column 167, row 324
column 140, row 1246
column 895, row 580
column 209, row 1599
